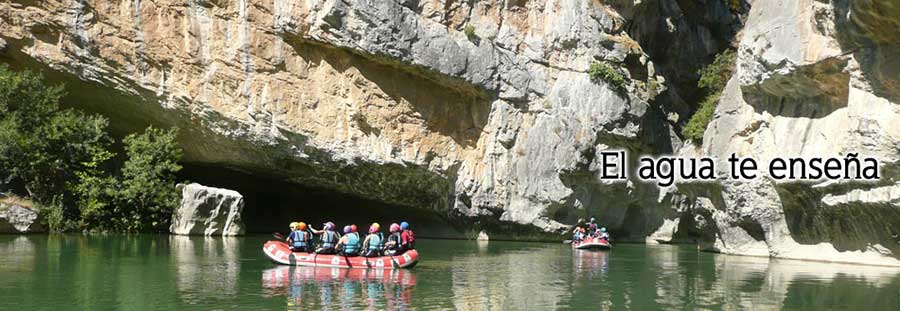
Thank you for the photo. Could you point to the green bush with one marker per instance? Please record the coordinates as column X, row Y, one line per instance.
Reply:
column 147, row 195
column 61, row 159
column 603, row 72
column 713, row 79
column 696, row 126
column 469, row 30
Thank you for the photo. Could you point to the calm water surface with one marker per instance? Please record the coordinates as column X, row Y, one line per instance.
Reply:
column 149, row 272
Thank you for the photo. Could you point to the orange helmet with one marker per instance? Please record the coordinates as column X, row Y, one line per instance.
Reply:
column 301, row 226
column 353, row 228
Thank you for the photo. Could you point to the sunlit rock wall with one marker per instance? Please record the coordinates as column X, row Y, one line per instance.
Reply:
column 813, row 79
column 388, row 100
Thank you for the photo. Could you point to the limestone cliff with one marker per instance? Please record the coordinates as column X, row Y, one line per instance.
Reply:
column 475, row 109
column 814, row 79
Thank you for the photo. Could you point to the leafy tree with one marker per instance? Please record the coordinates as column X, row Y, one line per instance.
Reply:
column 147, row 194
column 43, row 148
column 61, row 159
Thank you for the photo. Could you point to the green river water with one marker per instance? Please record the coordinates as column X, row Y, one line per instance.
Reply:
column 160, row 272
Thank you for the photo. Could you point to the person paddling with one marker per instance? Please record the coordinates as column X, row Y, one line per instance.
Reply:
column 407, row 237
column 373, row 243
column 328, row 239
column 299, row 237
column 349, row 243
column 392, row 246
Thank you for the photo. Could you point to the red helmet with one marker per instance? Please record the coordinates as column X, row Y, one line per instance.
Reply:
column 395, row 227
column 353, row 228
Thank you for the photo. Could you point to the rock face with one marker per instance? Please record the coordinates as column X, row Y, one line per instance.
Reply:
column 17, row 219
column 208, row 211
column 388, row 100
column 814, row 79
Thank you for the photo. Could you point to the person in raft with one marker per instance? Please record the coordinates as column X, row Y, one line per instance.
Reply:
column 407, row 237
column 392, row 246
column 592, row 227
column 349, row 243
column 328, row 239
column 578, row 234
column 374, row 241
column 299, row 237
column 603, row 234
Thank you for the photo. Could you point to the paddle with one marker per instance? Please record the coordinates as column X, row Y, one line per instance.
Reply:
column 278, row 236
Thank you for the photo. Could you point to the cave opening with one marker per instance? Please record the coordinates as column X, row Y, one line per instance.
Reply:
column 270, row 204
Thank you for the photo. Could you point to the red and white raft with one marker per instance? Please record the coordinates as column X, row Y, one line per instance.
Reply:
column 592, row 243
column 280, row 253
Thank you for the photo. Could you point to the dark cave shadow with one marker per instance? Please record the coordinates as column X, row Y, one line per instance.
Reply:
column 449, row 109
column 271, row 203
column 812, row 108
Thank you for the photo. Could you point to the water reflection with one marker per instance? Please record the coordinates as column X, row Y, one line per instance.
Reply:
column 590, row 264
column 687, row 279
column 346, row 289
column 50, row 272
column 207, row 267
column 522, row 279
column 18, row 253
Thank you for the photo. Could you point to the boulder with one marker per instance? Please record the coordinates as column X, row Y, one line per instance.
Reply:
column 208, row 211
column 18, row 219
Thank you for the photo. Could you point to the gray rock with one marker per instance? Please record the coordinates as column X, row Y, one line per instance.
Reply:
column 208, row 211
column 18, row 219
column 809, row 83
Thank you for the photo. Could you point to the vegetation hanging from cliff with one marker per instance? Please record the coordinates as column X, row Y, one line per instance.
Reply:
column 603, row 72
column 713, row 79
column 61, row 158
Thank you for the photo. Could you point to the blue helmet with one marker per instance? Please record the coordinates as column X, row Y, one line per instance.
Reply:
column 603, row 229
column 329, row 226
column 592, row 219
column 404, row 225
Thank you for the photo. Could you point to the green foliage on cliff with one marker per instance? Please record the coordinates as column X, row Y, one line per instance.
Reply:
column 697, row 125
column 603, row 72
column 469, row 30
column 61, row 158
column 713, row 79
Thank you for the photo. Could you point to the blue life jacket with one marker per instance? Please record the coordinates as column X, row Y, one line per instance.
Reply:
column 375, row 242
column 298, row 239
column 328, row 239
column 352, row 245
